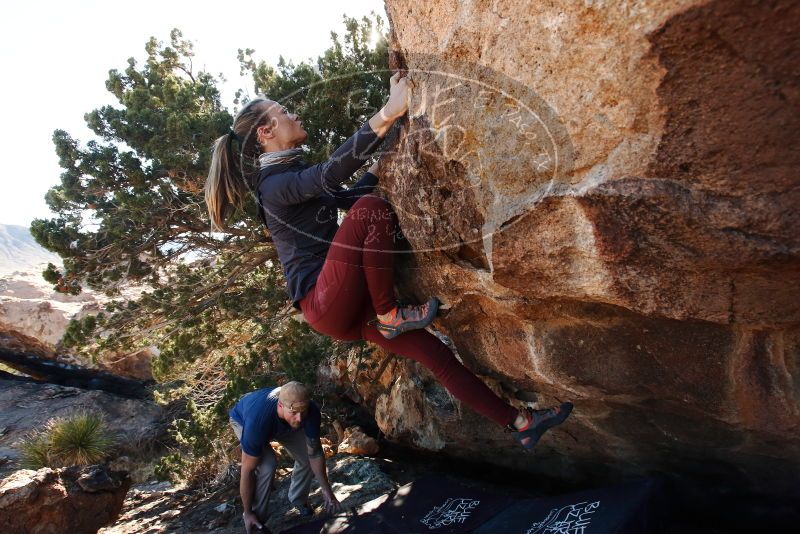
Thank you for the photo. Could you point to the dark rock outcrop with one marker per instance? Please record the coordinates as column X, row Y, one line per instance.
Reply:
column 73, row 375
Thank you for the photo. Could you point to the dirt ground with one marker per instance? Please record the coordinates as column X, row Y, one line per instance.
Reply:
column 160, row 507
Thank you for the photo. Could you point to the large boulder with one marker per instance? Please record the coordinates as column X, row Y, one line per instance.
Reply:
column 606, row 196
column 78, row 500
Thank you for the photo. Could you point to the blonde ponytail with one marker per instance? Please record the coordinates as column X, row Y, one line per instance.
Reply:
column 231, row 176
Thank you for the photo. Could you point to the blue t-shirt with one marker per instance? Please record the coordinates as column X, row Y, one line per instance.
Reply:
column 257, row 412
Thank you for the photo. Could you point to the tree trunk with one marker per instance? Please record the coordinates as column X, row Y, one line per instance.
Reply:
column 44, row 370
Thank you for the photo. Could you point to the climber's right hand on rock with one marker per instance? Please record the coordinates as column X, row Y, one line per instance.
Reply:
column 394, row 108
column 397, row 104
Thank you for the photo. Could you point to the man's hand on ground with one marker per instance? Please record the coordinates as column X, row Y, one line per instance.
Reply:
column 251, row 523
column 332, row 504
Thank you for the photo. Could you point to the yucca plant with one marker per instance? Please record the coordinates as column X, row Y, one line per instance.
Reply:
column 81, row 439
column 35, row 449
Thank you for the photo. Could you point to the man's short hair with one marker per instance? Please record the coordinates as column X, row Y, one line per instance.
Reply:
column 294, row 396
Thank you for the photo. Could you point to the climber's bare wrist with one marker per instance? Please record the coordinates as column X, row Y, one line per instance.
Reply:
column 382, row 121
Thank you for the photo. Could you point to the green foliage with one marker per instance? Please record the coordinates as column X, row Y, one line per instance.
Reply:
column 81, row 439
column 79, row 331
column 35, row 451
column 346, row 85
column 301, row 352
column 63, row 284
column 140, row 186
column 199, row 437
column 130, row 209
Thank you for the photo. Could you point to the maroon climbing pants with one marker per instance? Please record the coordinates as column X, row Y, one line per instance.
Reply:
column 357, row 280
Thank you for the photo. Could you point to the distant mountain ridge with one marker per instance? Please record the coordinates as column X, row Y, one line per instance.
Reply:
column 19, row 251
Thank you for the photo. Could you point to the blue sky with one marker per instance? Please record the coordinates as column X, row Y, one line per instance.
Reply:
column 55, row 58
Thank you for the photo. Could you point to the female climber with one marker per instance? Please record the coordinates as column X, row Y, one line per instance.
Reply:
column 341, row 276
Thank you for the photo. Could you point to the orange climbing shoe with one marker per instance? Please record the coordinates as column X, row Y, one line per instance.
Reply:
column 405, row 318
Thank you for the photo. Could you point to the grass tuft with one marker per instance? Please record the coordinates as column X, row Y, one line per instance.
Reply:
column 81, row 439
column 35, row 449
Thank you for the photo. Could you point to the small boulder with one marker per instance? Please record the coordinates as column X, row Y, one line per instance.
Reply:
column 327, row 448
column 136, row 364
column 46, row 501
column 357, row 442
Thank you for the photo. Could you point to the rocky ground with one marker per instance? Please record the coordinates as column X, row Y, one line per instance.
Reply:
column 137, row 424
column 159, row 506
column 154, row 506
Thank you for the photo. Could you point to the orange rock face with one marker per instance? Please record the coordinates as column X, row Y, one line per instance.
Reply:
column 356, row 442
column 137, row 364
column 608, row 201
